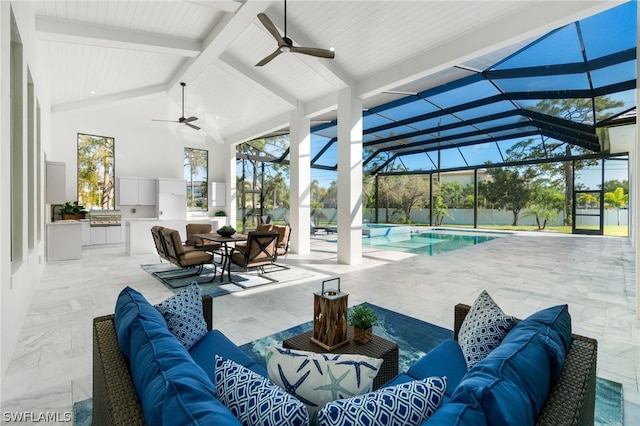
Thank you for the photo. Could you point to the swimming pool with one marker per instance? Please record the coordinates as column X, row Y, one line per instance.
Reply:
column 430, row 242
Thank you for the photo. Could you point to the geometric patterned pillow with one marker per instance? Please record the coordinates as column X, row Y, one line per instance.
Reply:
column 184, row 317
column 316, row 379
column 405, row 404
column 483, row 329
column 255, row 400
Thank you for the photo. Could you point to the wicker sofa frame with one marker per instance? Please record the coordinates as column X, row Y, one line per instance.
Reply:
column 572, row 398
column 115, row 402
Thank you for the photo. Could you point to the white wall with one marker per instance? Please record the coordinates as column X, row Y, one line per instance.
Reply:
column 143, row 148
column 19, row 279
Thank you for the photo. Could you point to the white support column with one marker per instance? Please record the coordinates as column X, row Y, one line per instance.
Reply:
column 349, row 178
column 232, row 193
column 300, row 177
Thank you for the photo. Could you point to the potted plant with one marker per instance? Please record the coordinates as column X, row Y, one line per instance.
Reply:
column 362, row 318
column 72, row 211
column 220, row 213
column 226, row 231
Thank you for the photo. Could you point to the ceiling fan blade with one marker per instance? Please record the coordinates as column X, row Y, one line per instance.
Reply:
column 271, row 28
column 314, row 51
column 269, row 58
column 166, row 121
column 190, row 119
column 193, row 126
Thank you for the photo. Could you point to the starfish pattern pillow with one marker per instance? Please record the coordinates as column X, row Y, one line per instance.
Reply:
column 483, row 329
column 184, row 316
column 316, row 379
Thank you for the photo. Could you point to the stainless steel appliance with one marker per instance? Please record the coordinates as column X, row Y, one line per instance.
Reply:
column 105, row 218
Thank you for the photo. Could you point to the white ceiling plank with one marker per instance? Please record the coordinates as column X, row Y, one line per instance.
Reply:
column 64, row 31
column 112, row 99
column 491, row 36
column 255, row 80
column 229, row 6
column 256, row 130
column 230, row 27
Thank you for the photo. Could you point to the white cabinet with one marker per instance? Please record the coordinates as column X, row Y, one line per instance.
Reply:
column 86, row 232
column 64, row 240
column 134, row 191
column 106, row 235
column 56, row 183
column 172, row 199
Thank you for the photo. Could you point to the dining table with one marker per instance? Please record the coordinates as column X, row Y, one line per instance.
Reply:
column 225, row 248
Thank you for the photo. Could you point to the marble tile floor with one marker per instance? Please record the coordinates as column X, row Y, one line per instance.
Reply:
column 51, row 365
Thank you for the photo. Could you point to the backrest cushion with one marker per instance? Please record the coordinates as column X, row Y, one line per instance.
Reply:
column 264, row 227
column 183, row 314
column 261, row 245
column 483, row 329
column 254, row 399
column 457, row 414
column 196, row 228
column 446, row 359
column 406, row 404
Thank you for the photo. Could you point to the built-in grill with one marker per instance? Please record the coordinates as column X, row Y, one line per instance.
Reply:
column 105, row 218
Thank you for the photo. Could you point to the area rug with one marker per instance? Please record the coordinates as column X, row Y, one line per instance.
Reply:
column 414, row 338
column 242, row 280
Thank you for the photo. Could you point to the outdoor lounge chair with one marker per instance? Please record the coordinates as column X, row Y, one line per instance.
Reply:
column 198, row 243
column 259, row 251
column 191, row 261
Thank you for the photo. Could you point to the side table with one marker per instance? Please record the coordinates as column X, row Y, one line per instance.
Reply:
column 376, row 348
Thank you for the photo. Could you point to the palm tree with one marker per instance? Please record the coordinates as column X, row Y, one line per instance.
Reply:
column 616, row 199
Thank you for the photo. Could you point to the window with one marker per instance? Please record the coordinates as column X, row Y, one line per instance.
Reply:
column 196, row 170
column 96, row 175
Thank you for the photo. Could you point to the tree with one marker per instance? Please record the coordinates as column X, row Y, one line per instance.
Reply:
column 576, row 110
column 509, row 188
column 453, row 194
column 195, row 160
column 440, row 210
column 547, row 202
column 617, row 200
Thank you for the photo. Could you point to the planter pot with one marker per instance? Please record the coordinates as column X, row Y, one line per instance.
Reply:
column 78, row 216
column 225, row 234
column 362, row 336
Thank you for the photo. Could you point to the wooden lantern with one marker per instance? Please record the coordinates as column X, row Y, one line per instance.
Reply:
column 330, row 317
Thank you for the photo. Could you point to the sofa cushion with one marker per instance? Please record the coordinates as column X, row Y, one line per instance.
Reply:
column 316, row 379
column 407, row 404
column 254, row 399
column 483, row 329
column 172, row 389
column 554, row 325
column 458, row 414
column 520, row 365
column 216, row 343
column 184, row 316
column 446, row 359
column 130, row 306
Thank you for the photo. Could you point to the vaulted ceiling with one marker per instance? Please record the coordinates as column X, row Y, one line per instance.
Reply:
column 101, row 54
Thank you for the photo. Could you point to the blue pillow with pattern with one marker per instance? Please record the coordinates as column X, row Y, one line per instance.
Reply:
column 483, row 329
column 255, row 400
column 406, row 404
column 184, row 317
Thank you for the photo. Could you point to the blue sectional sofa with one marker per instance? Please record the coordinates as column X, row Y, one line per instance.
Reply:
column 176, row 384
column 540, row 373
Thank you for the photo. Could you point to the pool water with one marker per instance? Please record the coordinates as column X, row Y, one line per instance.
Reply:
column 429, row 243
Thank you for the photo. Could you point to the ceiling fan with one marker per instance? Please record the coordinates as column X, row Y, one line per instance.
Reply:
column 182, row 119
column 285, row 44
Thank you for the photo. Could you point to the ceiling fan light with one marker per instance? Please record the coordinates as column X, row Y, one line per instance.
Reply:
column 285, row 49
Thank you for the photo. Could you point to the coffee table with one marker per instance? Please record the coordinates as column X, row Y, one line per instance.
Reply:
column 376, row 348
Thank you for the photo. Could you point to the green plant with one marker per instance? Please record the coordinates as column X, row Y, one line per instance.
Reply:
column 362, row 317
column 220, row 213
column 72, row 208
column 226, row 229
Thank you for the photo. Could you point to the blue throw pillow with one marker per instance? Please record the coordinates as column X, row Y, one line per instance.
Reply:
column 406, row 404
column 458, row 414
column 183, row 313
column 446, row 359
column 483, row 329
column 255, row 400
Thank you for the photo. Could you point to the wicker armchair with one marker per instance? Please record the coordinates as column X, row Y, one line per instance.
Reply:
column 572, row 398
